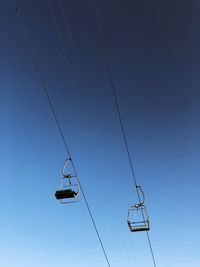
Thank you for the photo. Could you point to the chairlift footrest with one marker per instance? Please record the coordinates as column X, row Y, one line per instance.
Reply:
column 139, row 229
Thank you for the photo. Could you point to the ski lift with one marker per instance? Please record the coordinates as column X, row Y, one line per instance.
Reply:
column 138, row 219
column 69, row 186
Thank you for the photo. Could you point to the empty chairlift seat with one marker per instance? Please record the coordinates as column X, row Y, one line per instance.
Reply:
column 66, row 193
column 69, row 186
column 138, row 219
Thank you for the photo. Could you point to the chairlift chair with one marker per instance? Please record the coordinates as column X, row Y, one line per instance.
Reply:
column 69, row 187
column 138, row 219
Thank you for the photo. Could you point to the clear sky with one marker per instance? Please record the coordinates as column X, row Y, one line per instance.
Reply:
column 154, row 52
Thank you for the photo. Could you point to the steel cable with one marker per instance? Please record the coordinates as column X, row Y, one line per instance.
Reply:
column 108, row 67
column 45, row 88
column 76, row 56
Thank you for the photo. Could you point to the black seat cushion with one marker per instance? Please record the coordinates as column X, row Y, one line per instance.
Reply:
column 67, row 193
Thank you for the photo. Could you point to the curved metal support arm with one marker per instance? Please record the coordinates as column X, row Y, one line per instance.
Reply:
column 143, row 196
column 64, row 167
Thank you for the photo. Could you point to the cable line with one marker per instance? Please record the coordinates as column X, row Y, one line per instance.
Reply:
column 69, row 32
column 108, row 67
column 76, row 57
column 61, row 44
column 45, row 88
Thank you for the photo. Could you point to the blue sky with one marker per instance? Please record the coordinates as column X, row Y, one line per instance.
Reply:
column 154, row 52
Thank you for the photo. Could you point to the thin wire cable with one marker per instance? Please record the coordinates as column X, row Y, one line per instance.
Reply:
column 76, row 56
column 61, row 44
column 66, row 57
column 44, row 86
column 108, row 66
column 69, row 32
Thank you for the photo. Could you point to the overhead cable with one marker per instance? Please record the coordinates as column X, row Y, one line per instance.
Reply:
column 108, row 67
column 61, row 44
column 72, row 43
column 45, row 88
column 75, row 53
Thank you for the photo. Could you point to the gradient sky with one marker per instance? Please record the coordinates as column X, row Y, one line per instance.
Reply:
column 154, row 52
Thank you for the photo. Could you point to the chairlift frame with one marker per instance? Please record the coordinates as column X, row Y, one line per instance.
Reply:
column 138, row 225
column 68, row 193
